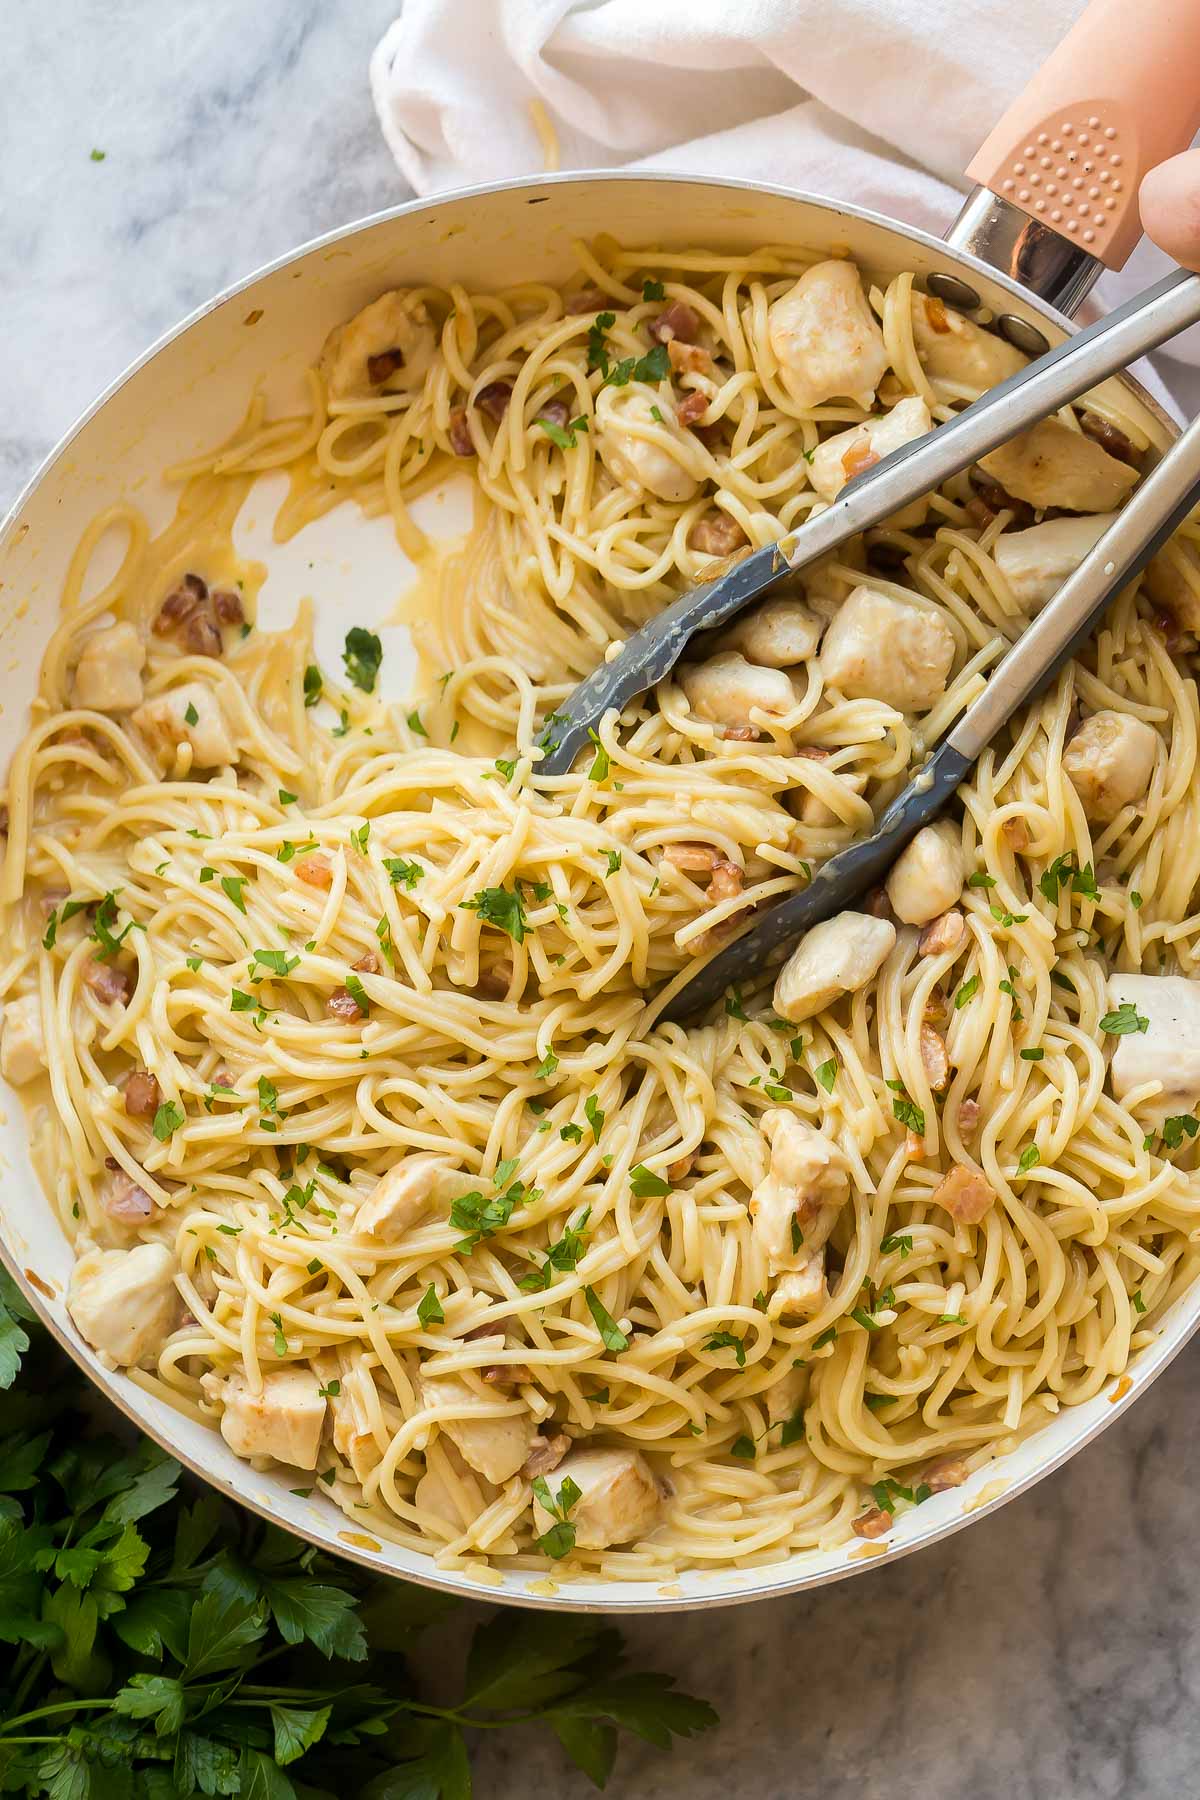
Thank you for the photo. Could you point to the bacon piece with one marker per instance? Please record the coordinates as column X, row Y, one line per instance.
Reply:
column 998, row 499
column 740, row 734
column 3, row 821
column 556, row 412
column 676, row 321
column 1107, row 435
column 126, row 1202
column 693, row 859
column 1015, row 833
column 877, row 904
column 383, row 365
column 342, row 1005
column 179, row 605
column 494, row 398
column 943, row 934
column 727, row 882
column 681, row 1167
column 546, row 1455
column 495, row 980
column 934, row 1058
column 228, row 607
column 106, row 982
column 506, row 1374
column 459, row 433
column 716, row 534
column 688, row 359
column 968, row 1119
column 368, row 964
column 317, row 871
column 858, row 458
column 692, row 408
column 874, row 1523
column 142, row 1095
column 947, row 1472
column 589, row 300
column 965, row 1193
column 202, row 635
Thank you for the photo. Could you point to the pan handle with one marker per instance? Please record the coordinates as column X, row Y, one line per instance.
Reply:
column 1058, row 177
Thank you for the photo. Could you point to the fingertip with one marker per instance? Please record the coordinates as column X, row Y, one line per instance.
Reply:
column 1169, row 200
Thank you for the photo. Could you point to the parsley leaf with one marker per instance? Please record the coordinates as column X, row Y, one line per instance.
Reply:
column 429, row 1309
column 613, row 1337
column 313, row 685
column 362, row 656
column 401, row 873
column 167, row 1119
column 1124, row 1020
column 827, row 1074
column 644, row 1182
column 728, row 1340
column 500, row 907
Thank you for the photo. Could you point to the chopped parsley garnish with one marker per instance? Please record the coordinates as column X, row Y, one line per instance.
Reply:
column 194, row 962
column 499, row 907
column 614, row 1338
column 286, row 799
column 559, row 1541
column 593, row 1114
column 826, row 1337
column 66, row 911
column 1029, row 1158
column 966, row 993
column 571, row 1134
column 233, row 885
column 728, row 1340
column 401, row 873
column 906, row 1111
column 1032, row 1055
column 827, row 1074
column 597, row 356
column 268, row 1095
column 614, row 861
column 190, row 715
column 1135, row 900
column 1177, row 1127
column 743, row 1447
column 1139, row 1305
column 506, row 767
column 414, row 724
column 562, row 435
column 900, row 1241
column 361, row 838
column 793, row 1429
column 1003, row 917
column 562, row 1256
column 278, row 961
column 653, row 290
column 1065, row 870
column 734, row 1007
column 358, row 994
column 1124, row 1020
column 429, row 1309
column 281, row 1345
column 775, row 1090
column 167, row 1119
column 601, row 763
column 981, row 880
column 313, row 685
column 482, row 1215
column 362, row 656
column 644, row 1182
column 546, row 1067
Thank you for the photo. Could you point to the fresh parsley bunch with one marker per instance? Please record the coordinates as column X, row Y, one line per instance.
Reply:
column 155, row 1646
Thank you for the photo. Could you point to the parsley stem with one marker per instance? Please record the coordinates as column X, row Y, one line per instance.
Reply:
column 46, row 1712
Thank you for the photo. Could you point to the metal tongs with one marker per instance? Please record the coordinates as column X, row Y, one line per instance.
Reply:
column 1160, row 502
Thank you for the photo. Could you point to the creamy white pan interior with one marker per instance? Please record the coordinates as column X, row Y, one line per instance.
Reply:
column 191, row 393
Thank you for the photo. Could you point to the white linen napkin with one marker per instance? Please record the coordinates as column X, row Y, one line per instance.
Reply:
column 878, row 102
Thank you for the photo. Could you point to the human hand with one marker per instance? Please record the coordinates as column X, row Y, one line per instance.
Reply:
column 1169, row 199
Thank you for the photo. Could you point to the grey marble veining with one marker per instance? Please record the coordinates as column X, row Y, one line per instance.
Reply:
column 1048, row 1653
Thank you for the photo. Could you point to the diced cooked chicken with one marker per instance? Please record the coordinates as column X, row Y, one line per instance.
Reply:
column 1053, row 465
column 387, row 347
column 283, row 1420
column 124, row 1301
column 350, row 1410
column 878, row 648
column 399, row 1198
column 125, row 1202
column 452, row 1500
column 548, row 1451
column 1168, row 1051
column 190, row 714
column 826, row 339
column 640, row 451
column 965, row 1194
column 824, row 589
column 775, row 635
column 785, row 1395
column 1036, row 562
column 716, row 534
column 839, row 459
column 727, row 689
column 619, row 1499
column 108, row 675
column 23, row 1043
column 927, row 878
column 935, row 1058
column 953, row 348
column 1110, row 761
column 799, row 1293
column 814, row 809
column 837, row 957
column 1172, row 580
column 495, row 1446
column 797, row 1201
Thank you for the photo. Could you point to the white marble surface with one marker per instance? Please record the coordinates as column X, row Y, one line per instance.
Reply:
column 1044, row 1654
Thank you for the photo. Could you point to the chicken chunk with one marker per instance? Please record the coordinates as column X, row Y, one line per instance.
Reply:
column 775, row 635
column 350, row 1410
column 108, row 675
column 400, row 1198
column 785, row 1396
column 1110, row 761
column 1168, row 1051
column 727, row 689
column 836, row 957
column 283, row 1420
column 640, row 451
column 190, row 714
column 796, row 1203
column 1036, row 562
column 826, row 339
column 799, row 1293
column 1053, row 465
column 495, row 1446
column 388, row 347
column 954, row 349
column 927, row 878
column 1172, row 580
column 839, row 459
column 452, row 1500
column 883, row 649
column 965, row 1194
column 23, row 1043
column 124, row 1301
column 619, row 1499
